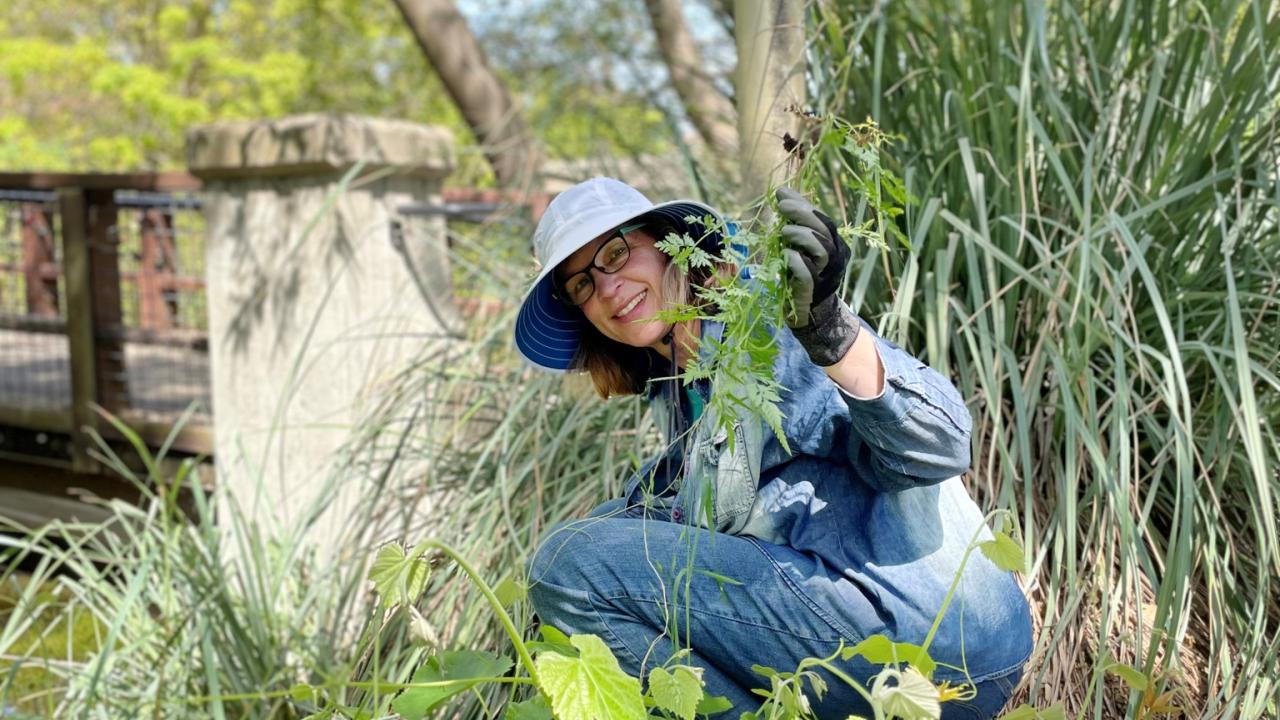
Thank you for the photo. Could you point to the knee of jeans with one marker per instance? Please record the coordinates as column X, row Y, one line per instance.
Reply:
column 559, row 559
column 609, row 508
column 559, row 574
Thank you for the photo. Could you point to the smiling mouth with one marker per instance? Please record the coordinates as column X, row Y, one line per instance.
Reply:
column 635, row 303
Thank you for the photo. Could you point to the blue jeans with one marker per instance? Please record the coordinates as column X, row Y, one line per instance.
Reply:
column 648, row 587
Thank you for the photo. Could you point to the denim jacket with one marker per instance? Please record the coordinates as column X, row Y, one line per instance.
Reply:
column 871, row 487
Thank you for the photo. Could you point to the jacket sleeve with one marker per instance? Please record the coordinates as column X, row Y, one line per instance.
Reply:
column 915, row 432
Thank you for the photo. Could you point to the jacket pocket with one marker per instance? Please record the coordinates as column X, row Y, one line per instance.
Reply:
column 726, row 474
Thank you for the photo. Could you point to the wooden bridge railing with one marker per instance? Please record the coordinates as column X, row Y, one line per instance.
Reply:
column 72, row 269
column 104, row 289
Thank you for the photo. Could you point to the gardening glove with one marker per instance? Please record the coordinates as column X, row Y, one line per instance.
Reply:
column 816, row 259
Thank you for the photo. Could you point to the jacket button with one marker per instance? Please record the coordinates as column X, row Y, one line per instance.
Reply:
column 676, row 514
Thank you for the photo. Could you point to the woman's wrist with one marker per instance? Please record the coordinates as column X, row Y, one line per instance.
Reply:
column 859, row 372
column 830, row 332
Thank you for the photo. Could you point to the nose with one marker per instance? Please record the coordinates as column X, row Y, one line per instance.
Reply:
column 606, row 284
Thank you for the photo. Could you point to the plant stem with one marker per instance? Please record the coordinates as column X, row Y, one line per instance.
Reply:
column 501, row 612
column 955, row 580
column 360, row 685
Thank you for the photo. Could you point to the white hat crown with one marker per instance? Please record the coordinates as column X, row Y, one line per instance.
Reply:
column 595, row 202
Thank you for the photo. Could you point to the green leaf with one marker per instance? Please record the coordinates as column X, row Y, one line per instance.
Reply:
column 533, row 709
column 910, row 697
column 789, row 696
column 880, row 650
column 720, row 580
column 678, row 691
column 509, row 592
column 553, row 641
column 471, row 666
column 552, row 634
column 398, row 578
column 1054, row 712
column 591, row 685
column 1004, row 552
column 1132, row 677
column 1022, row 712
column 421, row 631
column 714, row 705
column 764, row 670
column 302, row 693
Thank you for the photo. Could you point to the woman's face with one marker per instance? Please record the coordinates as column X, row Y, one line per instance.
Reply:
column 624, row 303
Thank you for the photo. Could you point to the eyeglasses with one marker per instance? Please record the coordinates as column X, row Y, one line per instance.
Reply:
column 609, row 258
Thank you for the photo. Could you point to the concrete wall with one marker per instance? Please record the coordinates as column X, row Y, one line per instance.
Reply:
column 311, row 307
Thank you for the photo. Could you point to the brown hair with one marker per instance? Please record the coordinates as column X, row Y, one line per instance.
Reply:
column 620, row 369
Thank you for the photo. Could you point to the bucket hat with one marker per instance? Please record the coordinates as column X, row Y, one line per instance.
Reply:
column 548, row 332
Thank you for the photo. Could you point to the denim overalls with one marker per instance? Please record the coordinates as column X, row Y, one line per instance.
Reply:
column 858, row 531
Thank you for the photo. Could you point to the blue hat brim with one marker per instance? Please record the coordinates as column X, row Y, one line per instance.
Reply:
column 548, row 332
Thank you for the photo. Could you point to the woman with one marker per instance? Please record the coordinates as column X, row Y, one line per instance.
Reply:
column 858, row 530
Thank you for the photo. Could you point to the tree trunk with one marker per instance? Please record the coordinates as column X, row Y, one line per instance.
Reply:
column 770, row 85
column 480, row 95
column 710, row 111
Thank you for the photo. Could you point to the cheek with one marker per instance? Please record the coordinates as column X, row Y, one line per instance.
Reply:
column 650, row 269
column 597, row 316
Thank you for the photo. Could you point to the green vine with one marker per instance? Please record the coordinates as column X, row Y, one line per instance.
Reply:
column 750, row 296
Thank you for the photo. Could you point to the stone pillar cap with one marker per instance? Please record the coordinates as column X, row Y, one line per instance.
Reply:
column 315, row 144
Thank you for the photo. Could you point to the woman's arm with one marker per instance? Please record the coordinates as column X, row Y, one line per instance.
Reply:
column 860, row 372
column 909, row 425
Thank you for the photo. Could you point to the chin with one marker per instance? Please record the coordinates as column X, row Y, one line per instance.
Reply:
column 642, row 334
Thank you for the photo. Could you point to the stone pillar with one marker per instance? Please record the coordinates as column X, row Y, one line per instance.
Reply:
column 313, row 300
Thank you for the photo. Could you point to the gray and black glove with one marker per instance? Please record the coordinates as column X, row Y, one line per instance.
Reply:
column 816, row 258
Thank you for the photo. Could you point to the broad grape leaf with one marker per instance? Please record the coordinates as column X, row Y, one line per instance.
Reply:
column 398, row 578
column 460, row 665
column 1004, row 552
column 880, row 650
column 591, row 686
column 910, row 697
column 678, row 691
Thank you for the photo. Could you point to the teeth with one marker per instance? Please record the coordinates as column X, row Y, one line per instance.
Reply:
column 632, row 305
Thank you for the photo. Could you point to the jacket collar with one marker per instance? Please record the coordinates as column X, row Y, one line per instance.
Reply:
column 712, row 331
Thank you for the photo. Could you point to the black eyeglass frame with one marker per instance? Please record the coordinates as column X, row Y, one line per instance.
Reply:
column 557, row 288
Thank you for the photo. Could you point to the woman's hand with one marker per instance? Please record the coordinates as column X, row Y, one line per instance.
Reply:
column 816, row 259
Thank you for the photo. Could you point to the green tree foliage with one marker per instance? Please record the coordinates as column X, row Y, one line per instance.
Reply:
column 98, row 85
column 112, row 85
column 603, row 87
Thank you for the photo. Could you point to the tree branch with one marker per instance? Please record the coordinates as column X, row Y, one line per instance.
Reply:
column 710, row 111
column 481, row 96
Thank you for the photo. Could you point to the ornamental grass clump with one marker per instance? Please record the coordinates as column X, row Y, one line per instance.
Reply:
column 1093, row 259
